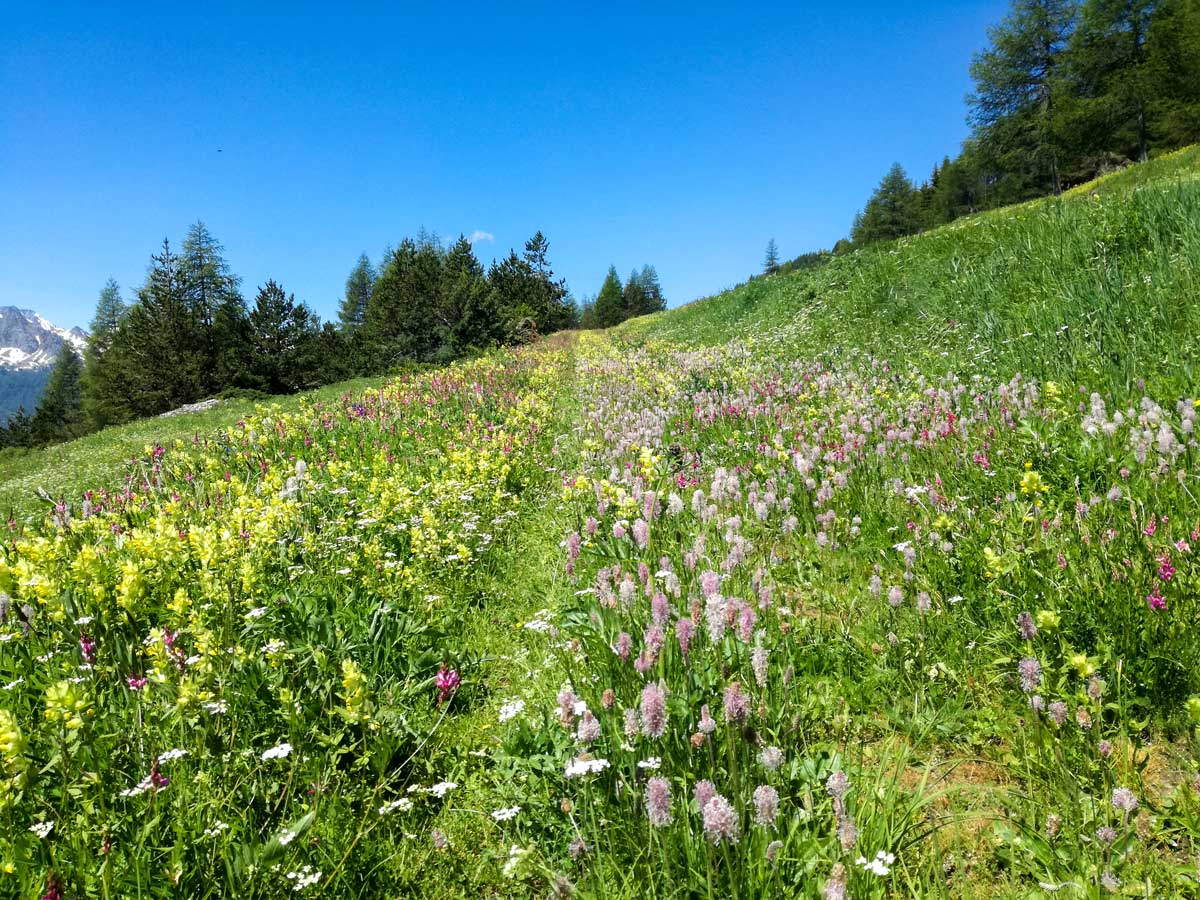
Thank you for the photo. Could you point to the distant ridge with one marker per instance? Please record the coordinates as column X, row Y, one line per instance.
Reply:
column 28, row 345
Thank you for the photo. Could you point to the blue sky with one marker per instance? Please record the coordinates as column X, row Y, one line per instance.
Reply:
column 304, row 134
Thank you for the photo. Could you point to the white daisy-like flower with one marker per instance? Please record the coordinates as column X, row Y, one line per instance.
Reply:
column 402, row 805
column 511, row 710
column 577, row 767
column 42, row 829
column 171, row 754
column 286, row 837
column 442, row 788
column 257, row 612
column 216, row 829
column 277, row 752
column 503, row 815
column 653, row 763
column 306, row 877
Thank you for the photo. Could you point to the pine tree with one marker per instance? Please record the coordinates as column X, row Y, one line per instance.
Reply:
column 648, row 278
column 771, row 263
column 59, row 414
column 1173, row 49
column 468, row 318
column 18, row 430
column 633, row 298
column 209, row 289
column 553, row 309
column 401, row 321
column 890, row 213
column 609, row 302
column 353, row 309
column 1019, row 83
column 158, row 366
column 280, row 330
column 99, row 391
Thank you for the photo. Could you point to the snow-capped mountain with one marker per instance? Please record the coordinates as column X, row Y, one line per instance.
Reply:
column 29, row 341
column 28, row 345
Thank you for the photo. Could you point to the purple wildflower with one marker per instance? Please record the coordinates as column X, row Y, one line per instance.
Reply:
column 654, row 711
column 721, row 824
column 658, row 801
column 766, row 805
column 737, row 704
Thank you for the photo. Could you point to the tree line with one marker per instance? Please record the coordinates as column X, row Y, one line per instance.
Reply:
column 189, row 334
column 1064, row 92
column 639, row 296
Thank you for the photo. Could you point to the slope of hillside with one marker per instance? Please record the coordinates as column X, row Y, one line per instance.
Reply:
column 1096, row 287
column 28, row 345
column 717, row 603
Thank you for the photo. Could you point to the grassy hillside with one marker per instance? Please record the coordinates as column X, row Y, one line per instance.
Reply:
column 64, row 470
column 1098, row 287
column 878, row 580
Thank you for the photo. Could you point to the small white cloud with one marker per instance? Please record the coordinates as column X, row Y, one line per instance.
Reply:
column 477, row 236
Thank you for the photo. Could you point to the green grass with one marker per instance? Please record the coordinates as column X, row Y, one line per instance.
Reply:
column 1096, row 287
column 235, row 551
column 64, row 470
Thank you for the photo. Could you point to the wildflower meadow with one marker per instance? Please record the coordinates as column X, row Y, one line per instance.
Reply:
column 874, row 581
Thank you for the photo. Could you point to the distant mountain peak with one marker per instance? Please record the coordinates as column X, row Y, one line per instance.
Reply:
column 30, row 341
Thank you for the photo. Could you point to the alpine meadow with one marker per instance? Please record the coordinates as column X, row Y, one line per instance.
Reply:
column 874, row 576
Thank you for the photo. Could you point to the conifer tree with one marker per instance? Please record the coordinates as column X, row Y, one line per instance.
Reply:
column 1019, row 85
column 655, row 301
column 1110, row 63
column 609, row 307
column 210, row 290
column 467, row 314
column 280, row 330
column 154, row 350
column 771, row 263
column 59, row 414
column 633, row 298
column 99, row 389
column 890, row 213
column 353, row 309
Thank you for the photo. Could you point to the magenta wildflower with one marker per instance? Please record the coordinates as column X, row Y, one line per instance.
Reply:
column 658, row 801
column 759, row 662
column 1156, row 601
column 684, row 628
column 1058, row 712
column 835, row 887
column 135, row 683
column 446, row 681
column 1124, row 800
column 737, row 704
column 641, row 533
column 771, row 758
column 624, row 646
column 632, row 726
column 659, row 608
column 88, row 648
column 654, row 711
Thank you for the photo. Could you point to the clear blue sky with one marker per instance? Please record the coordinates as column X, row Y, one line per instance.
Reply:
column 304, row 135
